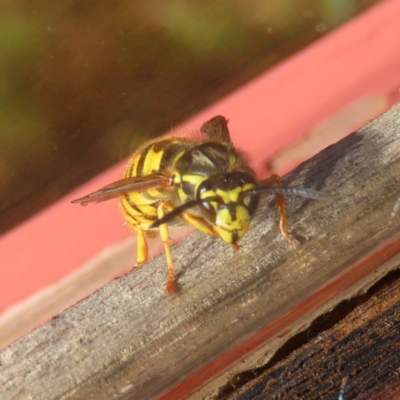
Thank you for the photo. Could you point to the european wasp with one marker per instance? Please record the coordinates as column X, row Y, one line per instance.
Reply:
column 205, row 182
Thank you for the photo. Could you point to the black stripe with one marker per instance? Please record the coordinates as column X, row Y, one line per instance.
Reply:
column 144, row 153
column 130, row 171
column 171, row 150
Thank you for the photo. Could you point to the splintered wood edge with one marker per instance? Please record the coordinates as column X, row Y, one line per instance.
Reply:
column 131, row 339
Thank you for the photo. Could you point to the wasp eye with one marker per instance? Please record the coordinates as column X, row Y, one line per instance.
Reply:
column 209, row 211
column 250, row 201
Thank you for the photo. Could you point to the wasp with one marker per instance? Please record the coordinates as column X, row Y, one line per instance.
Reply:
column 205, row 182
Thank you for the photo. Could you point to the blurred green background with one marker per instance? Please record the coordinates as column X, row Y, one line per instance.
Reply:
column 82, row 83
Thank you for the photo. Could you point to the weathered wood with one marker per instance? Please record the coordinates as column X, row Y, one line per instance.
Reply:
column 131, row 340
column 363, row 348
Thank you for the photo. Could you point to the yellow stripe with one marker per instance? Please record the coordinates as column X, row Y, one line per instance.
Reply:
column 137, row 222
column 133, row 164
column 126, row 206
column 138, row 199
column 193, row 179
column 138, row 217
column 176, row 178
column 152, row 161
column 143, row 209
column 151, row 211
column 155, row 193
column 130, row 221
column 179, row 155
column 182, row 195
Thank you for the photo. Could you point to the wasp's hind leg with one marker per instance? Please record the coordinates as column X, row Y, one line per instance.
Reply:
column 275, row 180
column 162, row 209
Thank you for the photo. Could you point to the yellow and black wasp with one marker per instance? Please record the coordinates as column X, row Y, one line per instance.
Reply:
column 205, row 182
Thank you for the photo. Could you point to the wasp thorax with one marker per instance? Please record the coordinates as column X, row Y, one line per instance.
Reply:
column 226, row 205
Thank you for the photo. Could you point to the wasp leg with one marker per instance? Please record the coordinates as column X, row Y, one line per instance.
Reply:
column 142, row 250
column 164, row 234
column 275, row 180
column 199, row 223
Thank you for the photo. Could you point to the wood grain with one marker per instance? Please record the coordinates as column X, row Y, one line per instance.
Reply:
column 131, row 340
column 363, row 348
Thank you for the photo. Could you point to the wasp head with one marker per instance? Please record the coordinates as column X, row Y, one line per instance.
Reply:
column 226, row 205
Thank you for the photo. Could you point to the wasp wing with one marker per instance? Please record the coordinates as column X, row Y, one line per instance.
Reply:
column 217, row 128
column 126, row 185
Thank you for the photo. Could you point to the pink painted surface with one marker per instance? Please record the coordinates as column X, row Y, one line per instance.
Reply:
column 279, row 107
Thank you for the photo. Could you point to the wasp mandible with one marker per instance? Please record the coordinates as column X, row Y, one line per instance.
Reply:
column 205, row 182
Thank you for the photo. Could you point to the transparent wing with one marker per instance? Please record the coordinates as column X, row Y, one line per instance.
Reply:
column 126, row 185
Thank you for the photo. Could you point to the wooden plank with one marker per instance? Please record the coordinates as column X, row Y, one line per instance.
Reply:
column 131, row 340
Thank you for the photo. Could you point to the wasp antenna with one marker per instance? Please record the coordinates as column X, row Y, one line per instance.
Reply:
column 296, row 191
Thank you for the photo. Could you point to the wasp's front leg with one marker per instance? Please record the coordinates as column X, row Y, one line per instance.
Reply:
column 275, row 180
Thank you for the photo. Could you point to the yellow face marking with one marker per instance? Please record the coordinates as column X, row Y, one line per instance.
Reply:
column 225, row 235
column 152, row 161
column 248, row 186
column 231, row 195
column 224, row 220
column 240, row 224
column 224, row 195
column 242, row 215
